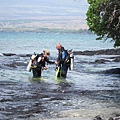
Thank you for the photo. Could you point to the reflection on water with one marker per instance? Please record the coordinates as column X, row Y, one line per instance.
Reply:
column 83, row 93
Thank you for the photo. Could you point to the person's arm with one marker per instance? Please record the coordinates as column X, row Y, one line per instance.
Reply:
column 48, row 61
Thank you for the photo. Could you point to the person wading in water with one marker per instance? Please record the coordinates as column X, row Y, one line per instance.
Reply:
column 62, row 61
column 39, row 63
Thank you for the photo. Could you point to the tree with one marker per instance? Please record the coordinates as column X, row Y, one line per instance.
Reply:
column 103, row 19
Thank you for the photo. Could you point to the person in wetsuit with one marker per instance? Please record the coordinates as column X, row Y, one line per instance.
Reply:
column 61, row 60
column 39, row 63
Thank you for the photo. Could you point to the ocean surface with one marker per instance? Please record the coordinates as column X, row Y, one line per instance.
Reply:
column 29, row 42
column 85, row 89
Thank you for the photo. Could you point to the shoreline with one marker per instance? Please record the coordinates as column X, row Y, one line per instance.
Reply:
column 114, row 58
column 115, row 51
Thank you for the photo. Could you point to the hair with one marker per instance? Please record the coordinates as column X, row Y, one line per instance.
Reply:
column 46, row 52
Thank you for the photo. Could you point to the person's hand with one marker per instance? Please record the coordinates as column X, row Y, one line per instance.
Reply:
column 45, row 68
column 56, row 62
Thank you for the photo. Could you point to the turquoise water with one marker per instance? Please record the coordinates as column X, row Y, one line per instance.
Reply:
column 24, row 43
column 85, row 89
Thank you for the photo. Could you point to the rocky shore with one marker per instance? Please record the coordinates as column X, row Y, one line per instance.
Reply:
column 87, row 52
column 114, row 58
column 99, row 52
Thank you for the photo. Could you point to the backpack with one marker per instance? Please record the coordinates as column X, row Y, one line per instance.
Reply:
column 36, row 61
column 67, row 59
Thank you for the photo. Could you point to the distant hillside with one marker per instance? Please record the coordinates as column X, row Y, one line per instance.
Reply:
column 45, row 24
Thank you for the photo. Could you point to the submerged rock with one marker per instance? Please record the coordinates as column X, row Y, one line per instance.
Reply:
column 8, row 54
column 117, row 59
column 110, row 118
column 113, row 71
column 97, row 118
column 10, row 65
column 101, row 61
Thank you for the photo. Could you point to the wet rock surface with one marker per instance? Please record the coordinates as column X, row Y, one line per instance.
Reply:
column 112, row 71
column 98, row 52
column 103, row 61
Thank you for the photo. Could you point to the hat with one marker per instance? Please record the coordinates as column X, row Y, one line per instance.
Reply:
column 47, row 52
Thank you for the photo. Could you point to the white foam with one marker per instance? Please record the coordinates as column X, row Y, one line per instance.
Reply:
column 1, row 54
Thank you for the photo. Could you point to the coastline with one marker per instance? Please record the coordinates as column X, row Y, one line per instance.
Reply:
column 44, row 24
column 86, row 52
column 99, row 52
column 114, row 58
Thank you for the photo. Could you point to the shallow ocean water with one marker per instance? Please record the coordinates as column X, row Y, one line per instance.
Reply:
column 86, row 90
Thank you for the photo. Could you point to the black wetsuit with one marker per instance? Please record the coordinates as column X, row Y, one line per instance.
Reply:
column 61, row 61
column 39, row 65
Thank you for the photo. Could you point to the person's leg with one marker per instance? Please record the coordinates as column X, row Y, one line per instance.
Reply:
column 64, row 70
column 36, row 72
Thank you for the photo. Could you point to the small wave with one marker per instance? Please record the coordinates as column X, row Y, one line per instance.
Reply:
column 1, row 54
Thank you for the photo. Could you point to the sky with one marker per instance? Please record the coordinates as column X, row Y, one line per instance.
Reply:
column 23, row 9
